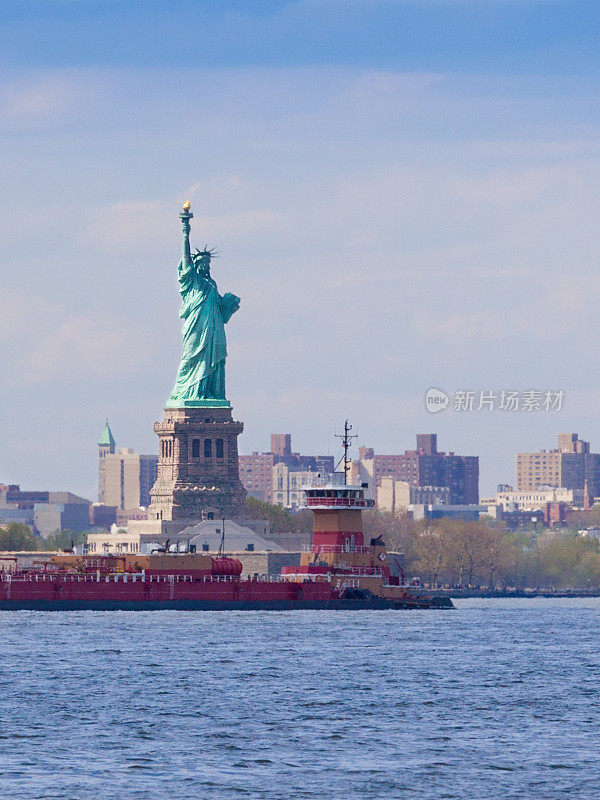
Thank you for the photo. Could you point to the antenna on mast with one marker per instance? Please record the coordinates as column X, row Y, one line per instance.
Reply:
column 346, row 438
column 221, row 552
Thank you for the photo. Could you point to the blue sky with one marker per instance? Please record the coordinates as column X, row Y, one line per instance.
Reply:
column 510, row 36
column 403, row 194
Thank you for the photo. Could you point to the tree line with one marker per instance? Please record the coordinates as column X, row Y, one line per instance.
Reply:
column 450, row 552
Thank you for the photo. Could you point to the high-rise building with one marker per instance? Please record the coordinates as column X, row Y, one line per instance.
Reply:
column 423, row 467
column 427, row 443
column 569, row 466
column 256, row 474
column 64, row 511
column 256, row 469
column 395, row 496
column 106, row 442
column 124, row 477
column 289, row 484
column 281, row 445
column 106, row 447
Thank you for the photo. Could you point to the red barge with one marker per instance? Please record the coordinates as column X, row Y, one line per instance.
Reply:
column 338, row 572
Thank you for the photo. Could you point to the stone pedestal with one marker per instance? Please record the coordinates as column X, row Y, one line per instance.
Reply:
column 198, row 470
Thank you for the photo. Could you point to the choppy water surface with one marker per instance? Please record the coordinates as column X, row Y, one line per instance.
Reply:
column 498, row 699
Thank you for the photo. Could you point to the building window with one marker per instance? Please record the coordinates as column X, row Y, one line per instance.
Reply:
column 219, row 446
column 195, row 448
column 208, row 448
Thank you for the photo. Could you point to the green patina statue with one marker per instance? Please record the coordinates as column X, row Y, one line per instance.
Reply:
column 201, row 375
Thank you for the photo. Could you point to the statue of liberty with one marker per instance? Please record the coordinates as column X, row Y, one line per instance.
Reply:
column 201, row 375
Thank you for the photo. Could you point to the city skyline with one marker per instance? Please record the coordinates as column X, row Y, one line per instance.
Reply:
column 312, row 463
column 423, row 196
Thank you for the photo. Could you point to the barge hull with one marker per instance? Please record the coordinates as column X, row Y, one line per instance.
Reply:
column 337, row 604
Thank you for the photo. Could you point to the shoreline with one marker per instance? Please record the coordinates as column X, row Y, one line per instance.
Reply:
column 516, row 593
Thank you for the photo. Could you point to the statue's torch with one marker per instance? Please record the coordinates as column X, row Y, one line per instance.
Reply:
column 186, row 215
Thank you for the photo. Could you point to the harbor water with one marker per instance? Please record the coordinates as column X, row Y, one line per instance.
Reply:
column 497, row 699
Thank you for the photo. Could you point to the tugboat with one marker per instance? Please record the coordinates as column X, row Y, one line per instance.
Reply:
column 338, row 555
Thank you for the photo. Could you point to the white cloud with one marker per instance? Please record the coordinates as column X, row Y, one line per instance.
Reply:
column 125, row 224
column 39, row 100
column 80, row 347
column 44, row 344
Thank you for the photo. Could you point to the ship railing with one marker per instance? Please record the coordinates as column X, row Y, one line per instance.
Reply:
column 347, row 583
column 110, row 577
column 347, row 569
column 339, row 502
column 133, row 577
column 356, row 549
column 358, row 570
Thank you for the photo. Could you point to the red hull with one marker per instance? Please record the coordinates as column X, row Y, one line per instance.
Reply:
column 161, row 589
column 72, row 593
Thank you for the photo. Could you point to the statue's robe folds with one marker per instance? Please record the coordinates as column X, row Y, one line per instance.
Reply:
column 201, row 374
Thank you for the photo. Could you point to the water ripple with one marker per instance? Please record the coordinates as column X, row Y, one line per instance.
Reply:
column 498, row 699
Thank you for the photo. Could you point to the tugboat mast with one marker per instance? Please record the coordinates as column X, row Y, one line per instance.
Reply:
column 346, row 438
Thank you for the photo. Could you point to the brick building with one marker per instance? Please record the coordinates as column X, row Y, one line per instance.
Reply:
column 256, row 469
column 422, row 467
column 569, row 466
column 256, row 474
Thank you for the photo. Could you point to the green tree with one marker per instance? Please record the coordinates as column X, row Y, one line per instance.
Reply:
column 17, row 536
column 497, row 557
column 61, row 540
column 280, row 519
column 568, row 560
column 432, row 554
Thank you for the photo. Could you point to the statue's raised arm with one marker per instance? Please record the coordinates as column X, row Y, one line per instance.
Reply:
column 186, row 263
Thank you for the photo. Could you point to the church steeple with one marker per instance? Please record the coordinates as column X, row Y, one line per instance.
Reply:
column 106, row 442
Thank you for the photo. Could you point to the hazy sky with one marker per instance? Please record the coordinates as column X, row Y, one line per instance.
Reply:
column 402, row 193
